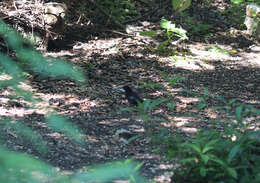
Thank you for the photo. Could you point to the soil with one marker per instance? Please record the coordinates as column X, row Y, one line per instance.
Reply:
column 112, row 59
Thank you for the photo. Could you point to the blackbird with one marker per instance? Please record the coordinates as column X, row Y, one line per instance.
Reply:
column 132, row 96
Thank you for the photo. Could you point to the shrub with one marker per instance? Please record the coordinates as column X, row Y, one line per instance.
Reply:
column 228, row 152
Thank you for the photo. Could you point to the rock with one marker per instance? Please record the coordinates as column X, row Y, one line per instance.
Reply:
column 54, row 20
column 252, row 20
column 54, row 16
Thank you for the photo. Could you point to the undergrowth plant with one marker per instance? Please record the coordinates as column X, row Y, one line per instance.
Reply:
column 180, row 5
column 214, row 157
column 14, row 72
column 196, row 27
column 115, row 11
column 169, row 31
column 227, row 152
column 244, row 1
column 144, row 109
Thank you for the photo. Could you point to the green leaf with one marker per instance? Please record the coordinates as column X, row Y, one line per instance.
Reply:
column 220, row 162
column 139, row 166
column 54, row 68
column 157, row 102
column 232, row 172
column 164, row 75
column 173, row 30
column 258, row 177
column 61, row 124
column 201, row 105
column 205, row 158
column 189, row 160
column 186, row 5
column 208, row 146
column 181, row 5
column 171, row 105
column 195, row 147
column 233, row 152
column 167, row 24
column 26, row 134
column 149, row 33
column 134, row 138
column 203, row 171
column 162, row 45
column 10, row 67
column 145, row 105
column 17, row 167
column 256, row 112
column 109, row 172
column 176, row 4
column 174, row 80
column 128, row 109
column 237, row 1
column 238, row 113
column 144, row 117
column 212, row 142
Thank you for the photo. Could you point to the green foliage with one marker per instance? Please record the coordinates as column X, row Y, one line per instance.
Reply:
column 28, row 60
column 60, row 124
column 237, row 1
column 144, row 109
column 53, row 68
column 169, row 31
column 230, row 154
column 180, row 5
column 217, row 49
column 18, row 167
column 236, row 14
column 172, row 81
column 27, row 135
column 117, row 9
column 212, row 157
column 178, row 58
column 244, row 1
column 124, row 170
column 149, row 33
column 203, row 100
column 196, row 27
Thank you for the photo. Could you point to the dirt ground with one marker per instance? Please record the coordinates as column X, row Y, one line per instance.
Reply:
column 112, row 59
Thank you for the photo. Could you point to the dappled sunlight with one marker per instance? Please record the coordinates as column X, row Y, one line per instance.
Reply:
column 67, row 100
column 56, row 135
column 192, row 64
column 19, row 107
column 189, row 130
column 78, row 108
column 211, row 55
column 4, row 77
column 166, row 176
column 182, row 121
column 14, row 112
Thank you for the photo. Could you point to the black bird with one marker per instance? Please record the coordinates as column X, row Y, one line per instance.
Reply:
column 132, row 96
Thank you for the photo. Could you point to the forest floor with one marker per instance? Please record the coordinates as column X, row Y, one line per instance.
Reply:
column 226, row 63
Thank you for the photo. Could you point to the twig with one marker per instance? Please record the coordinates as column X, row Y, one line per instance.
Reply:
column 117, row 32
